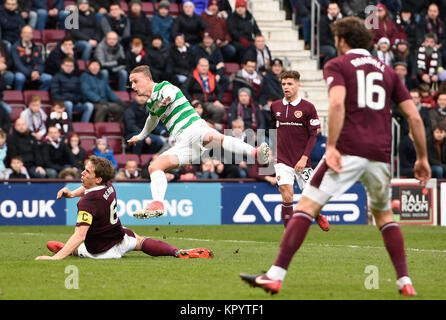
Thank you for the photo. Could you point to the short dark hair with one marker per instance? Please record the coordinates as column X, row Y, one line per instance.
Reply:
column 103, row 168
column 354, row 32
column 68, row 59
column 431, row 35
column 290, row 75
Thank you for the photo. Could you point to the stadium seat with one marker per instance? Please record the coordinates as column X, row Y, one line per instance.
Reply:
column 122, row 158
column 123, row 95
column 147, row 8
column 231, row 67
column 124, row 6
column 13, row 97
column 43, row 94
column 104, row 129
column 16, row 110
column 228, row 98
column 132, row 95
column 116, row 144
column 84, row 129
column 82, row 65
column 37, row 36
column 51, row 37
column 145, row 158
column 88, row 143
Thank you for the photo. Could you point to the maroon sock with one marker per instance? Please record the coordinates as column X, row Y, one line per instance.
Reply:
column 287, row 212
column 156, row 248
column 293, row 238
column 394, row 242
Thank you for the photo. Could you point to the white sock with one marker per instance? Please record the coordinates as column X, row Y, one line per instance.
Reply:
column 158, row 185
column 276, row 273
column 401, row 282
column 237, row 146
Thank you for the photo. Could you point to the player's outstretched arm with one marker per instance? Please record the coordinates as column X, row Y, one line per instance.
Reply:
column 151, row 123
column 66, row 193
column 422, row 168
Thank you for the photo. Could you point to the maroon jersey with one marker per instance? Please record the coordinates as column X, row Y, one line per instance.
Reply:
column 371, row 85
column 97, row 208
column 296, row 123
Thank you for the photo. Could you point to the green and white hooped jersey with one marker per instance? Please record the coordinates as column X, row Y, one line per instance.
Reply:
column 178, row 114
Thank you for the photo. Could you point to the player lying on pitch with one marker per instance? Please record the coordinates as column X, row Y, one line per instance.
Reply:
column 99, row 233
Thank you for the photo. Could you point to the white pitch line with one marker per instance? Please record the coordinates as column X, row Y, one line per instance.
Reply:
column 308, row 244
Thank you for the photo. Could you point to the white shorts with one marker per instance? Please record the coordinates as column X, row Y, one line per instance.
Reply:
column 374, row 175
column 287, row 175
column 189, row 143
column 116, row 252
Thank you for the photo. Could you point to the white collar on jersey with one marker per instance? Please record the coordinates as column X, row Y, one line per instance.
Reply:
column 94, row 189
column 293, row 103
column 360, row 51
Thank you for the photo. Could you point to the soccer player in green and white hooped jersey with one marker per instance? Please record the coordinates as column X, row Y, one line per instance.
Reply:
column 192, row 135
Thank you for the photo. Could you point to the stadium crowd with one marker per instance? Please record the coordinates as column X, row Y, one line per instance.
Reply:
column 64, row 69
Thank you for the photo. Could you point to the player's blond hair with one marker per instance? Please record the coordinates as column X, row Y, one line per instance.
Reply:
column 144, row 69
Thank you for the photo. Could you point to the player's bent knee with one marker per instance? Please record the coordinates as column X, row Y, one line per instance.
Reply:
column 308, row 206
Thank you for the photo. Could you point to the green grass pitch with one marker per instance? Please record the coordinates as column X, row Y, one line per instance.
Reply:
column 329, row 265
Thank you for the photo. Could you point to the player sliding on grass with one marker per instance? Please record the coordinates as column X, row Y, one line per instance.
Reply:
column 167, row 103
column 297, row 123
column 99, row 233
column 358, row 148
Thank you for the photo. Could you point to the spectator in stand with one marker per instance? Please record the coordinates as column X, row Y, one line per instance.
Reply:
column 433, row 24
column 3, row 153
column 65, row 48
column 249, row 78
column 417, row 7
column 218, row 28
column 208, row 49
column 436, row 149
column 66, row 86
column 140, row 25
column 181, row 60
column 424, row 112
column 207, row 170
column 428, row 60
column 28, row 62
column 438, row 114
column 242, row 26
column 199, row 5
column 49, row 9
column 18, row 170
column 188, row 172
column 88, row 35
column 245, row 109
column 319, row 149
column 426, row 97
column 202, row 86
column 224, row 8
column 28, row 15
column 68, row 174
column 22, row 143
column 271, row 84
column 260, row 53
column 162, row 22
column 402, row 54
column 386, row 26
column 59, row 118
column 5, row 120
column 56, row 153
column 134, row 119
column 130, row 171
column 158, row 55
column 110, row 54
column 116, row 21
column 401, row 69
column 302, row 10
column 327, row 44
column 253, row 173
column 77, row 151
column 190, row 24
column 137, row 55
column 383, row 52
column 35, row 118
column 356, row 7
column 405, row 23
column 102, row 150
column 6, row 70
column 11, row 22
column 407, row 155
column 100, row 7
column 95, row 89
